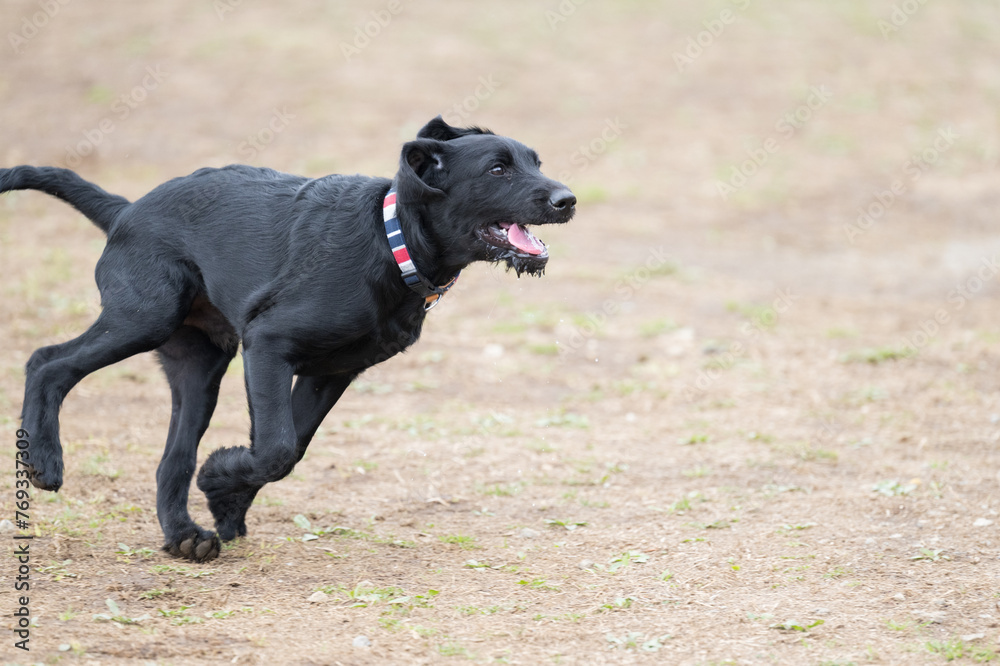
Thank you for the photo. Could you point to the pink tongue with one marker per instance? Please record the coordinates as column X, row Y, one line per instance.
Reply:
column 523, row 240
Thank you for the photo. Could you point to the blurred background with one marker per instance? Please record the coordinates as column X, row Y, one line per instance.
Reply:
column 782, row 274
column 649, row 109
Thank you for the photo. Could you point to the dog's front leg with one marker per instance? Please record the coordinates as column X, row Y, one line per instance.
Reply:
column 312, row 400
column 231, row 477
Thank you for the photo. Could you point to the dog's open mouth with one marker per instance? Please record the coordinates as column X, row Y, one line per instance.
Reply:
column 513, row 243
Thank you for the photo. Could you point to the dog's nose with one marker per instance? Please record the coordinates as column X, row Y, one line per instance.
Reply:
column 562, row 199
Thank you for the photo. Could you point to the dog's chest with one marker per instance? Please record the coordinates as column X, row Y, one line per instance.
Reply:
column 380, row 343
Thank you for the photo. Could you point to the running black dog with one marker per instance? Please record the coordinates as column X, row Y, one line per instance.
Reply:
column 318, row 278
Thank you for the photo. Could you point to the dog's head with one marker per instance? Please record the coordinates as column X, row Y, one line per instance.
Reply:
column 479, row 193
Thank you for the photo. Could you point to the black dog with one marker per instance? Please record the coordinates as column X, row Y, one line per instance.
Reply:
column 306, row 273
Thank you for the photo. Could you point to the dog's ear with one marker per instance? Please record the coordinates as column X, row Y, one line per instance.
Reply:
column 421, row 166
column 440, row 130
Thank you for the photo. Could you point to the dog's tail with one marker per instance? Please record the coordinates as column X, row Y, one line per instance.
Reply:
column 99, row 206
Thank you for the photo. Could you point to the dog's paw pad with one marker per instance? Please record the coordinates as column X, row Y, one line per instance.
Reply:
column 206, row 550
column 45, row 479
column 199, row 547
column 186, row 547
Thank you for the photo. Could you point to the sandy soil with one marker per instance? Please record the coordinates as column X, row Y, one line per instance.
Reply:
column 749, row 416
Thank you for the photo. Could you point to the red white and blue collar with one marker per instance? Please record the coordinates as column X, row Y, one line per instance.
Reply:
column 411, row 276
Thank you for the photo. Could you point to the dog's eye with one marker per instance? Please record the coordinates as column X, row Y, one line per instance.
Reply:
column 498, row 170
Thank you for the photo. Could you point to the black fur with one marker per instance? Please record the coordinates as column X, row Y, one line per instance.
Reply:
column 299, row 270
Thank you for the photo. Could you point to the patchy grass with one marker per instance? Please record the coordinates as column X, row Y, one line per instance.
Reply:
column 462, row 541
column 953, row 649
column 876, row 355
column 893, row 488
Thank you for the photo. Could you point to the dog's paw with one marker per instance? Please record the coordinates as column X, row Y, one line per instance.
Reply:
column 228, row 499
column 46, row 472
column 198, row 545
column 230, row 512
column 229, row 529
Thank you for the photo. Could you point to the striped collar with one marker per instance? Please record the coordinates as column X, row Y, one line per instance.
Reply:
column 411, row 276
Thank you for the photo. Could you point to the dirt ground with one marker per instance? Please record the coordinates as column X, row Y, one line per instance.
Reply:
column 749, row 415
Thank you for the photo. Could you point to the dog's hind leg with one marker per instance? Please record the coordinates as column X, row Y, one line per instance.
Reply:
column 133, row 320
column 194, row 367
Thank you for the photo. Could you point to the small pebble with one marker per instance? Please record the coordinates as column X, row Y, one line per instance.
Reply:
column 361, row 642
column 899, row 596
column 6, row 527
column 972, row 637
column 712, row 348
column 982, row 522
column 493, row 351
column 586, row 564
column 528, row 533
column 318, row 597
column 934, row 617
